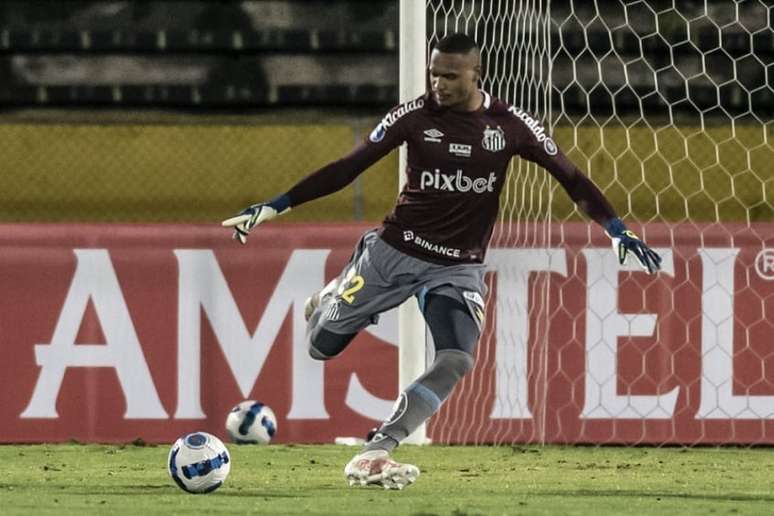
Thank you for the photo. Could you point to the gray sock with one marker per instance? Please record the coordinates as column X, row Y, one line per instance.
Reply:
column 422, row 399
column 414, row 406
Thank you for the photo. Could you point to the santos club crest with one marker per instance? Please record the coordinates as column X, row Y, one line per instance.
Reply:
column 494, row 139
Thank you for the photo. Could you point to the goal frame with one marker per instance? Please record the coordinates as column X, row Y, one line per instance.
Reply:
column 411, row 83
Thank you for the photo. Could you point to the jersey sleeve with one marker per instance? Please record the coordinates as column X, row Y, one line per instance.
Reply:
column 388, row 134
column 536, row 145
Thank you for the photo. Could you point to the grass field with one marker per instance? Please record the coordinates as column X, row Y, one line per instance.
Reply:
column 91, row 479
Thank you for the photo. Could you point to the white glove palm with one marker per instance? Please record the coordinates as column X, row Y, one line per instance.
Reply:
column 251, row 217
column 625, row 242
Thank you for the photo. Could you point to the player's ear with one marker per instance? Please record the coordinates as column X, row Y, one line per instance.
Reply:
column 476, row 73
column 477, row 66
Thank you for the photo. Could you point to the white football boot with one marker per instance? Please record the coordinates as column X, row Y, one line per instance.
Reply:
column 313, row 301
column 376, row 467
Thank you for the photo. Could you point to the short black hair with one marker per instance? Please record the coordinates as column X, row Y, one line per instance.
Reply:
column 456, row 43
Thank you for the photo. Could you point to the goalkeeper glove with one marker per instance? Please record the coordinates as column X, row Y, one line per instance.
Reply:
column 625, row 241
column 253, row 215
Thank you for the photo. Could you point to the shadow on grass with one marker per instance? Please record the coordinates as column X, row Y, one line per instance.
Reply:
column 138, row 489
column 730, row 497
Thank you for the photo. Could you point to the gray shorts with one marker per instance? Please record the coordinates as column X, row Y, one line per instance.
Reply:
column 378, row 277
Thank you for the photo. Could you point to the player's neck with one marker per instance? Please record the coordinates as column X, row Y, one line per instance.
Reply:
column 474, row 103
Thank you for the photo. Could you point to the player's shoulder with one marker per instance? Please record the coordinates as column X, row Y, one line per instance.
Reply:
column 525, row 122
column 494, row 105
column 499, row 107
column 402, row 113
column 406, row 109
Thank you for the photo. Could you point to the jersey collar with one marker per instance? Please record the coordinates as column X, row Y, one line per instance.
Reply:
column 487, row 100
column 486, row 104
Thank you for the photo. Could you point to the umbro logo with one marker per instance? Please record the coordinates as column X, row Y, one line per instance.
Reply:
column 333, row 311
column 433, row 135
column 378, row 437
column 398, row 409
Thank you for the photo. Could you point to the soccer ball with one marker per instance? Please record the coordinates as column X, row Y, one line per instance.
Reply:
column 199, row 462
column 251, row 422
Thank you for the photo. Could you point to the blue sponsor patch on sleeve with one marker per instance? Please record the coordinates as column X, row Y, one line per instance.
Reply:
column 377, row 134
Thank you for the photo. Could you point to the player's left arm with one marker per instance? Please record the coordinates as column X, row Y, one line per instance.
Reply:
column 334, row 176
column 594, row 204
column 327, row 180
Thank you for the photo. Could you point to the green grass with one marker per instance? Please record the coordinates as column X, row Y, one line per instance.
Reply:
column 95, row 479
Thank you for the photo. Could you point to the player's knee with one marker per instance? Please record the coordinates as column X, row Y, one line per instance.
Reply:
column 448, row 368
column 314, row 345
column 316, row 353
column 457, row 362
column 325, row 345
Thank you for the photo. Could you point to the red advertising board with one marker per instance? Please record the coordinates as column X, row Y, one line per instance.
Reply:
column 110, row 333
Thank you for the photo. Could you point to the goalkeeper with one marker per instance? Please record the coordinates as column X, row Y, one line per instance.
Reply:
column 432, row 246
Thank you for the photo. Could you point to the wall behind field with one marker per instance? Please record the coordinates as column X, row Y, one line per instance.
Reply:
column 178, row 173
column 151, row 172
column 675, row 173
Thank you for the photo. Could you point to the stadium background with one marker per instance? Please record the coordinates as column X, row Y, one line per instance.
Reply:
column 159, row 112
column 129, row 129
column 184, row 112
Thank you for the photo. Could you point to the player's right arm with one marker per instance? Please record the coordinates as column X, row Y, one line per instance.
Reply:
column 327, row 180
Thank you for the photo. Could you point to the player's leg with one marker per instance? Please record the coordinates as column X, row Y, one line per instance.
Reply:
column 455, row 332
column 313, row 301
column 324, row 344
column 320, row 309
column 354, row 299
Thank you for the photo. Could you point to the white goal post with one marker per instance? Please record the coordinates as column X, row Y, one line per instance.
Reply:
column 532, row 90
column 412, row 66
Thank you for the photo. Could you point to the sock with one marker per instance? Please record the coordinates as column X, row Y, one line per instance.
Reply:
column 414, row 406
column 422, row 399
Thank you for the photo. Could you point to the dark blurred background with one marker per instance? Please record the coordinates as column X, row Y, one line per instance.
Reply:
column 196, row 54
column 183, row 111
column 284, row 53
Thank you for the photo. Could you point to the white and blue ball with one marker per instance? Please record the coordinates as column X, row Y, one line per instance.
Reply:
column 251, row 422
column 199, row 462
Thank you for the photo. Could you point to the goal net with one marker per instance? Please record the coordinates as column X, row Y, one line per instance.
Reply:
column 667, row 106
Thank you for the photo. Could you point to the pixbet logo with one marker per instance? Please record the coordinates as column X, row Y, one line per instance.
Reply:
column 456, row 183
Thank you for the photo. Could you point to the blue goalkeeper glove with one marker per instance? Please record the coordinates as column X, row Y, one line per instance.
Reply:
column 625, row 241
column 255, row 214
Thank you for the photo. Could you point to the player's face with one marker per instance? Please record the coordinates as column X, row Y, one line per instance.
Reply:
column 454, row 78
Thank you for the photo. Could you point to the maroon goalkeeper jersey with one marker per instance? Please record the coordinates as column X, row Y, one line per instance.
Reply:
column 457, row 166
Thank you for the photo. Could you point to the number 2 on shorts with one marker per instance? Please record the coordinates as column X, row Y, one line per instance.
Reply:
column 355, row 284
